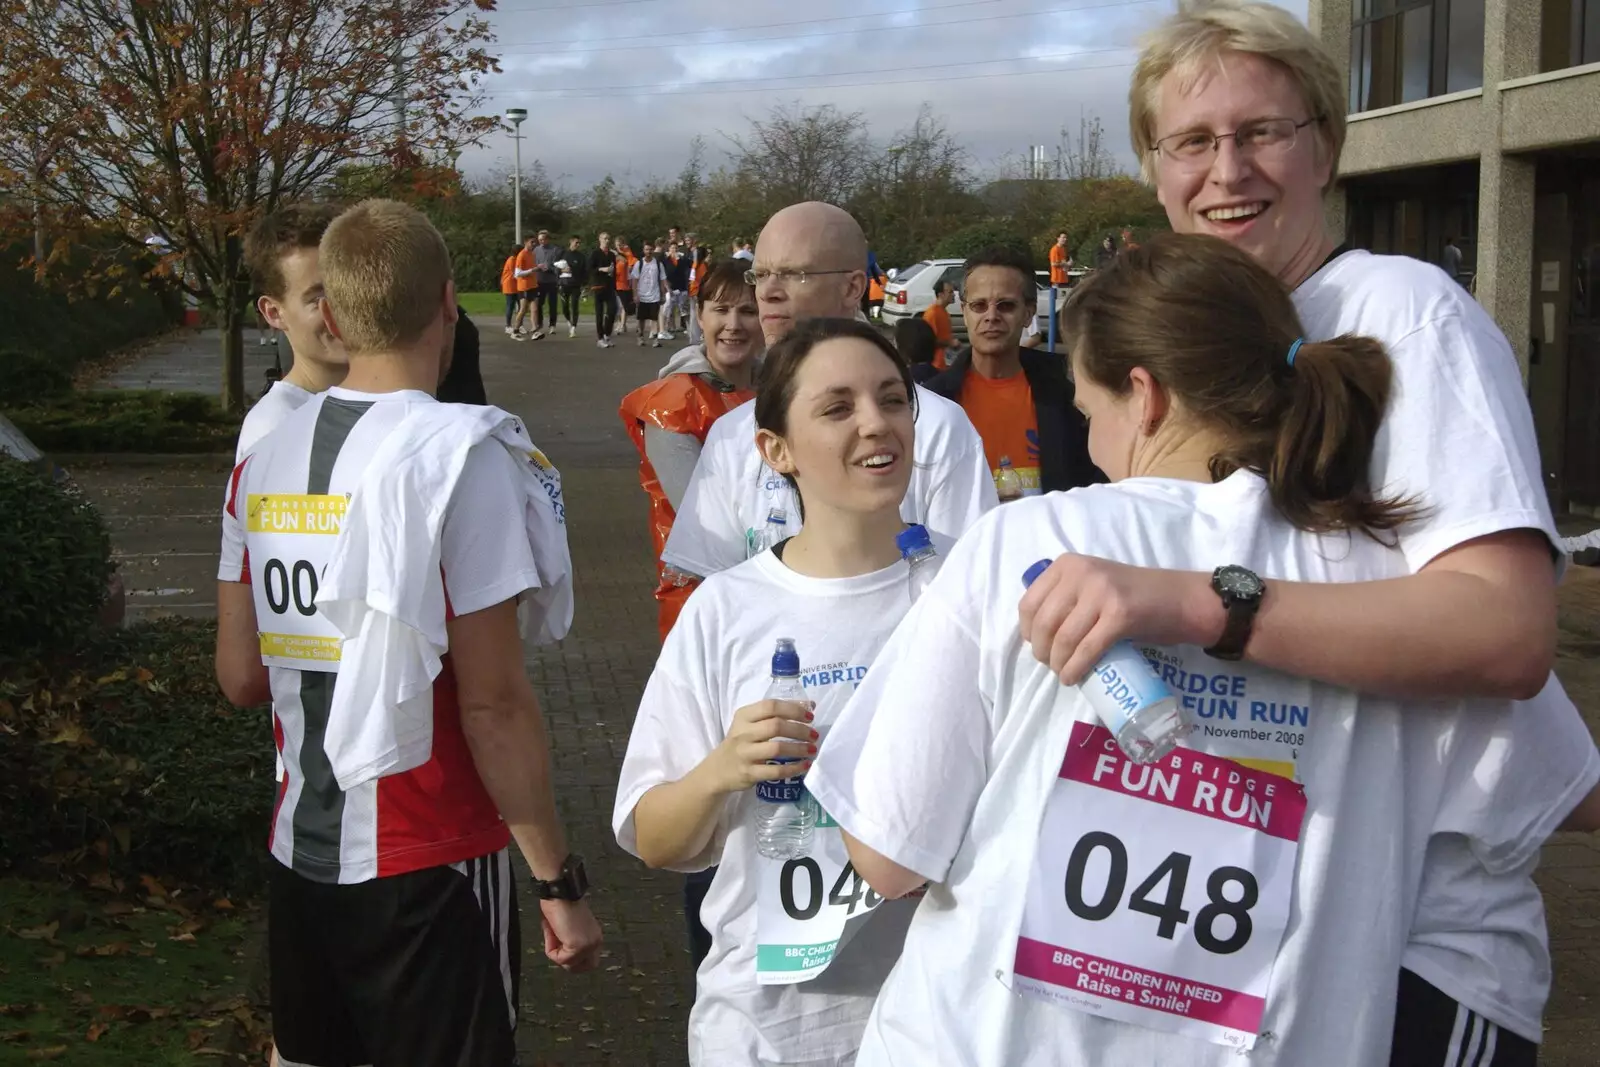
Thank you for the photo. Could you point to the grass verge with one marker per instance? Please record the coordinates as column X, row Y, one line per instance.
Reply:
column 140, row 976
column 495, row 304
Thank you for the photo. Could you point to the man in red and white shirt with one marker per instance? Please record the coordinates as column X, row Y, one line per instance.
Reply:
column 393, row 925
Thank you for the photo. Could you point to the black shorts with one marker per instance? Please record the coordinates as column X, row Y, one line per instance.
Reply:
column 626, row 296
column 649, row 310
column 1431, row 1029
column 418, row 969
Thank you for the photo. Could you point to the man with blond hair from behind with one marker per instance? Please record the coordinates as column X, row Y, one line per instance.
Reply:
column 393, row 926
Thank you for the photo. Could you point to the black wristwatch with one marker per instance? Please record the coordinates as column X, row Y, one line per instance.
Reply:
column 1241, row 591
column 571, row 884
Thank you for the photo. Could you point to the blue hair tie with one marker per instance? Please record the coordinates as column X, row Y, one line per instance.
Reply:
column 1294, row 349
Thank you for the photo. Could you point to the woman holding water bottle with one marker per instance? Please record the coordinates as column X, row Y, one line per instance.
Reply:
column 759, row 663
column 1255, row 889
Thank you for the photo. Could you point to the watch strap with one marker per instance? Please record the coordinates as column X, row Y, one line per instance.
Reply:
column 1236, row 631
column 571, row 884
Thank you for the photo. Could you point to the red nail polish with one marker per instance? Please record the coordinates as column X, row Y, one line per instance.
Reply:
column 815, row 735
column 811, row 750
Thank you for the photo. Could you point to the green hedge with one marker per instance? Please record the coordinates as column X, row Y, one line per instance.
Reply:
column 48, row 333
column 55, row 562
column 127, row 420
column 128, row 748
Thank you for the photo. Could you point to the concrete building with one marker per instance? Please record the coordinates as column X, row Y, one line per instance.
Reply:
column 1479, row 120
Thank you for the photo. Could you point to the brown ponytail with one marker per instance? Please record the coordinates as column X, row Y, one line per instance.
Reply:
column 1215, row 328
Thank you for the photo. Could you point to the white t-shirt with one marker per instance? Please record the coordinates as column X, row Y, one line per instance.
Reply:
column 716, row 660
column 732, row 490
column 438, row 813
column 1460, row 434
column 945, row 758
column 282, row 399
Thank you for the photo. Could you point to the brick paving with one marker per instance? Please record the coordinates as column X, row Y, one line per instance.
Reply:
column 633, row 1010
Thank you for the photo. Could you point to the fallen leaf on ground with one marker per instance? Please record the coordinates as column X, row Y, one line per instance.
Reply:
column 120, row 907
column 17, row 1036
column 97, row 1031
column 54, row 1052
column 20, row 1009
column 83, row 1000
column 153, row 886
column 222, row 904
column 113, row 948
column 47, row 932
column 55, row 959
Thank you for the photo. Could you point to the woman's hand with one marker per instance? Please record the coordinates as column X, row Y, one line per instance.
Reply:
column 762, row 732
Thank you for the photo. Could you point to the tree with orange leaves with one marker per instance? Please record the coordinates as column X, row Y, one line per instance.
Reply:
column 170, row 126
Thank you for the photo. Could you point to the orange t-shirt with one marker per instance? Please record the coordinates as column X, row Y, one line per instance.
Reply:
column 527, row 281
column 944, row 335
column 508, row 279
column 1059, row 258
column 1001, row 410
column 624, row 268
column 875, row 290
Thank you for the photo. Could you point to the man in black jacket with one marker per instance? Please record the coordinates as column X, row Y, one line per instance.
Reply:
column 571, row 280
column 1019, row 399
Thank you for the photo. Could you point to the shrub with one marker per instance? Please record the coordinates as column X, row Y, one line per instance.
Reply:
column 55, row 561
column 979, row 236
column 129, row 420
column 128, row 747
column 27, row 375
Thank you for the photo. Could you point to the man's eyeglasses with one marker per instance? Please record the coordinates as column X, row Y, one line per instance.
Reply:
column 1196, row 147
column 785, row 277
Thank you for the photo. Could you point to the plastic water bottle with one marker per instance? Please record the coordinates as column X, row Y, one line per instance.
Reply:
column 1007, row 482
column 916, row 548
column 1130, row 698
column 773, row 531
column 786, row 815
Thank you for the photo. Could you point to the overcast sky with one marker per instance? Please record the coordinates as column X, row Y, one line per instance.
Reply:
column 621, row 86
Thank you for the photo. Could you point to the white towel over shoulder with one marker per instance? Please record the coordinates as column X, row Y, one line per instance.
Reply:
column 385, row 593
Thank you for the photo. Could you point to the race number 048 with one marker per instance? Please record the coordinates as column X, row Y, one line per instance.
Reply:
column 814, row 897
column 1174, row 871
column 284, row 584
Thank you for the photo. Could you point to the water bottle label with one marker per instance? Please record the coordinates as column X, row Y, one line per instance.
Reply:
column 1121, row 685
column 783, row 790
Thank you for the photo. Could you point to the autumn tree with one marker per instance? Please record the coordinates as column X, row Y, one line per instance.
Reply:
column 173, row 125
column 797, row 154
column 917, row 189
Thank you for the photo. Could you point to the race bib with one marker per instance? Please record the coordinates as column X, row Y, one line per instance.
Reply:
column 808, row 909
column 1160, row 892
column 291, row 539
column 1247, row 714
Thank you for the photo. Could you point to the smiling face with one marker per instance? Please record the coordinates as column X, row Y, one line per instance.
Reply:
column 1267, row 202
column 848, row 439
column 731, row 324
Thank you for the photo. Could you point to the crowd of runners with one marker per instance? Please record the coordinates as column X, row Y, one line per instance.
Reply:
column 1301, row 477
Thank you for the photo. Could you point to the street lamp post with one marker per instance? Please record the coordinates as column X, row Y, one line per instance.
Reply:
column 516, row 115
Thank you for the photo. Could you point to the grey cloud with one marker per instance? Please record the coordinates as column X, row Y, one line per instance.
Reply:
column 590, row 53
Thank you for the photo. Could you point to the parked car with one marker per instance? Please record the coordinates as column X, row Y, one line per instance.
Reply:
column 911, row 291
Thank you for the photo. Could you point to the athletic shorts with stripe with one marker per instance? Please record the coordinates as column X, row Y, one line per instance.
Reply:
column 1431, row 1029
column 413, row 970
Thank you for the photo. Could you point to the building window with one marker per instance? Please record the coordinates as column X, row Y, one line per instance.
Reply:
column 1585, row 32
column 1405, row 50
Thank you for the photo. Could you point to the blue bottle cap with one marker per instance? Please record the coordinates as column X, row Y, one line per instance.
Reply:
column 785, row 660
column 912, row 539
column 1031, row 575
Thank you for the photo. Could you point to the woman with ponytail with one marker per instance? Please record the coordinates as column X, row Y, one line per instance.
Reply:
column 1257, row 888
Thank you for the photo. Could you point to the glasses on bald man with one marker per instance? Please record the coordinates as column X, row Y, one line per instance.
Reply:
column 785, row 277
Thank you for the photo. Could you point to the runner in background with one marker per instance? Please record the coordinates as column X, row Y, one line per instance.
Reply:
column 669, row 418
column 875, row 298
column 281, row 255
column 625, row 260
column 649, row 278
column 603, row 284
column 937, row 315
column 572, row 282
column 699, row 263
column 546, row 285
column 1223, row 430
column 1020, row 401
column 392, row 914
column 508, row 286
column 704, row 736
column 678, row 307
column 1061, row 263
column 527, row 288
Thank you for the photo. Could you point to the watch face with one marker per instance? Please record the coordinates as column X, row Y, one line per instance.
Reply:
column 1237, row 582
